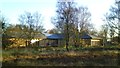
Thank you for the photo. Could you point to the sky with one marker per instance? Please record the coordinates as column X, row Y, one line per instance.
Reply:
column 12, row 9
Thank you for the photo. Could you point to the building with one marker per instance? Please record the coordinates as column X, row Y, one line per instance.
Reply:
column 51, row 40
column 57, row 40
column 90, row 40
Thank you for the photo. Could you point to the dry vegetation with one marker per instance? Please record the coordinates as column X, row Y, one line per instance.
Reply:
column 57, row 56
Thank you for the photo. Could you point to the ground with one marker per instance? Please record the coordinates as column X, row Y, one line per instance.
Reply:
column 58, row 56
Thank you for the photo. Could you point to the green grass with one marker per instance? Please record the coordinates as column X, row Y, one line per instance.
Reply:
column 58, row 56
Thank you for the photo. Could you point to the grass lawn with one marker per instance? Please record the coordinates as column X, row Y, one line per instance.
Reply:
column 58, row 56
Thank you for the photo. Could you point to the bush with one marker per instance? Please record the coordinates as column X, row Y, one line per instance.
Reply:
column 6, row 42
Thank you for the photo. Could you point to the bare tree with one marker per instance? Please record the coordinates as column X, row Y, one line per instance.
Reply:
column 84, row 20
column 113, row 18
column 103, row 33
column 65, row 18
column 70, row 19
column 38, row 25
column 4, row 38
column 32, row 23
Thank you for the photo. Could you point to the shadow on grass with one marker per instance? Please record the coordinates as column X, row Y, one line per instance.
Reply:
column 63, row 60
column 59, row 57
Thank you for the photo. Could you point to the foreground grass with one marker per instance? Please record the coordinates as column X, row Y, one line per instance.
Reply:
column 56, row 56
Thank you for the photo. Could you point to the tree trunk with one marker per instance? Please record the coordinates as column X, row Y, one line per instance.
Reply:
column 67, row 46
column 67, row 35
column 26, row 43
column 67, row 41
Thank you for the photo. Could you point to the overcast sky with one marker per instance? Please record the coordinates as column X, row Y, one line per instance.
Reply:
column 12, row 9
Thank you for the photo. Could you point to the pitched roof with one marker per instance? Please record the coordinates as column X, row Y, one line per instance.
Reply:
column 95, row 37
column 40, row 36
column 55, row 36
column 86, row 36
column 61, row 36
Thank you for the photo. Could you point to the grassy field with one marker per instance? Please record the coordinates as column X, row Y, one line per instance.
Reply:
column 58, row 56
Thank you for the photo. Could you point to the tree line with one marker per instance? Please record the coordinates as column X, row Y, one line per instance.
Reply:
column 71, row 20
column 112, row 23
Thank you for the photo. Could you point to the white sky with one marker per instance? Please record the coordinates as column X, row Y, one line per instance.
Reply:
column 11, row 9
